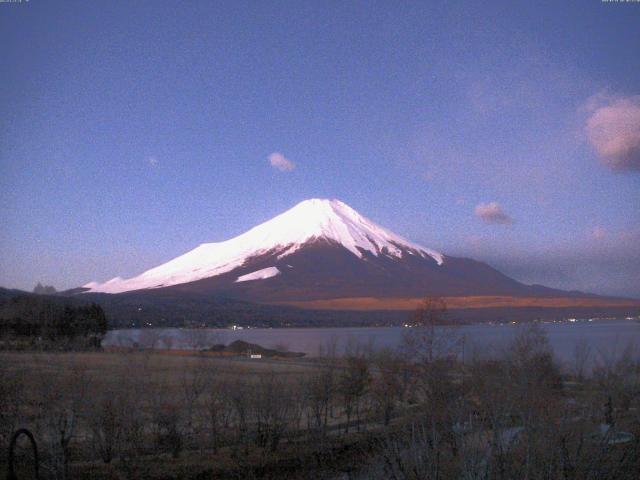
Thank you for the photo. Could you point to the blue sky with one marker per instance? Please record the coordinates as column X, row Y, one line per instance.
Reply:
column 131, row 132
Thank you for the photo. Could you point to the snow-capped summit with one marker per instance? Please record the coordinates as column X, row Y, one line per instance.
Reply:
column 336, row 221
column 310, row 221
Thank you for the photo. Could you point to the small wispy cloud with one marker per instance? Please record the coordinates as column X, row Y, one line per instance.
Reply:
column 492, row 213
column 613, row 128
column 428, row 176
column 598, row 233
column 152, row 161
column 280, row 162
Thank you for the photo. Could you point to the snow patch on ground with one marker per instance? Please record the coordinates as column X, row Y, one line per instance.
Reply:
column 259, row 274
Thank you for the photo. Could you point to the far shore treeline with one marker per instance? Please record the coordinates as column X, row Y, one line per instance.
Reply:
column 28, row 321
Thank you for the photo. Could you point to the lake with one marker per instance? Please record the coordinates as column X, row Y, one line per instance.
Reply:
column 607, row 339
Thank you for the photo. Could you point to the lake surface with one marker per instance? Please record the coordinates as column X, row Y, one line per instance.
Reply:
column 607, row 339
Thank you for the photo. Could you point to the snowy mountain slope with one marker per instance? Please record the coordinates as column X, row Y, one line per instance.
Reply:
column 308, row 222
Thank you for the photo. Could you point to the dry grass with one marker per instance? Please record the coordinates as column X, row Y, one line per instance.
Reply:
column 168, row 365
column 155, row 378
column 370, row 303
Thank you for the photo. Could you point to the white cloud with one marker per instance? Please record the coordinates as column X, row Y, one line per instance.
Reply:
column 613, row 129
column 280, row 162
column 598, row 233
column 492, row 213
column 152, row 161
column 429, row 176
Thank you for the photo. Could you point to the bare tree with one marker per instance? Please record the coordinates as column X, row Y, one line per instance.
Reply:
column 320, row 389
column 239, row 396
column 149, row 338
column 194, row 384
column 195, row 339
column 168, row 418
column 415, row 454
column 11, row 397
column 274, row 410
column 353, row 383
column 581, row 357
column 217, row 408
column 60, row 407
column 432, row 336
column 134, row 382
column 386, row 385
column 105, row 422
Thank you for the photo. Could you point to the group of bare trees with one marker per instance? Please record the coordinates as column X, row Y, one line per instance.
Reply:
column 514, row 414
column 417, row 412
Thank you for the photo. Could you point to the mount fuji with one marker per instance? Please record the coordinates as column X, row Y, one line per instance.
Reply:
column 322, row 250
column 310, row 223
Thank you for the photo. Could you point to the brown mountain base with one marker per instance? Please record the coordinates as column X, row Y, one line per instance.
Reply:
column 370, row 303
